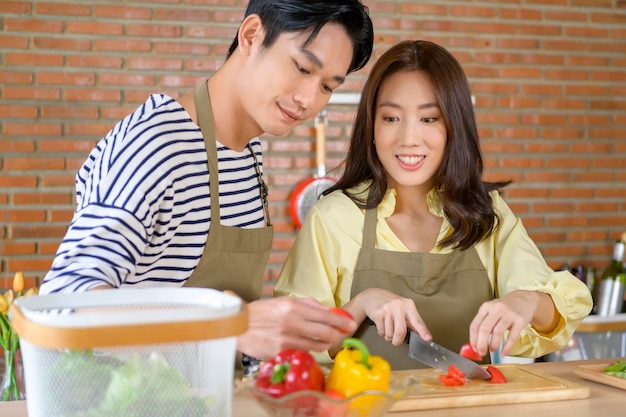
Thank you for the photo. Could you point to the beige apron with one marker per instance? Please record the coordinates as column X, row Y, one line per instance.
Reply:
column 234, row 258
column 447, row 289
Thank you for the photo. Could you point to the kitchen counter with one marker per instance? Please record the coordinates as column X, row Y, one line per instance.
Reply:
column 604, row 400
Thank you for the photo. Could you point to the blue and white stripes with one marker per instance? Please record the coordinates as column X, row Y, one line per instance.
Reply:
column 143, row 203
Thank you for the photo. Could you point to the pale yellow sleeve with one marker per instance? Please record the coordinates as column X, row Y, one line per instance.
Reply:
column 513, row 261
column 321, row 262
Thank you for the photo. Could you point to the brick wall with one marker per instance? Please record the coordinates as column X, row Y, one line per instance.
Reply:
column 549, row 79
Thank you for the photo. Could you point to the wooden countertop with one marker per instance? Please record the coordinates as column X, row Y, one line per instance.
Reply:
column 604, row 400
column 592, row 324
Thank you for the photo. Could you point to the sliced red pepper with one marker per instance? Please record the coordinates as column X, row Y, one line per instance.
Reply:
column 497, row 377
column 456, row 373
column 449, row 380
column 291, row 370
column 467, row 351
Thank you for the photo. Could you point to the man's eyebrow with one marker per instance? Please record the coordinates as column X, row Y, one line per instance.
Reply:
column 316, row 61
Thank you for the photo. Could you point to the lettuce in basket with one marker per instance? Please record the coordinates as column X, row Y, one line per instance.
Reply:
column 76, row 378
column 148, row 387
column 86, row 384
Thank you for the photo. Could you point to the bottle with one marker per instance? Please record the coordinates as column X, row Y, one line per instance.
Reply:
column 611, row 290
column 590, row 280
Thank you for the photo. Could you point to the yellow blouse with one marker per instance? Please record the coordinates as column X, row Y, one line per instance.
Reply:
column 321, row 263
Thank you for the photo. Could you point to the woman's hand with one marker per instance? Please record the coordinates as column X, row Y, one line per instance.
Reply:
column 511, row 313
column 393, row 315
column 291, row 323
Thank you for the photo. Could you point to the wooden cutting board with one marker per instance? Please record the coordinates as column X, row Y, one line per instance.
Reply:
column 596, row 373
column 524, row 385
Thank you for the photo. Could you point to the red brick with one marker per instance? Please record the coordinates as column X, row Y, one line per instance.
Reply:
column 33, row 25
column 30, row 93
column 23, row 216
column 65, row 146
column 14, row 7
column 33, row 163
column 46, row 248
column 154, row 30
column 184, row 14
column 30, row 59
column 182, row 48
column 211, row 31
column 18, row 248
column 41, row 198
column 88, row 129
column 81, row 61
column 122, row 45
column 15, row 77
column 95, row 28
column 69, row 112
column 16, row 42
column 63, row 216
column 14, row 181
column 50, row 181
column 65, row 78
column 42, row 42
column 92, row 95
column 30, row 129
column 126, row 79
column 162, row 64
column 18, row 112
column 123, row 12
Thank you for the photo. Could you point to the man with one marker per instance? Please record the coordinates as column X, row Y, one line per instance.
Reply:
column 147, row 196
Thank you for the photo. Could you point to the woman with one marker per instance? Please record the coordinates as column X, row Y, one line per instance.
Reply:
column 411, row 237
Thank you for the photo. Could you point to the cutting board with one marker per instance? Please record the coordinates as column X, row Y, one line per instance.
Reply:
column 596, row 373
column 524, row 385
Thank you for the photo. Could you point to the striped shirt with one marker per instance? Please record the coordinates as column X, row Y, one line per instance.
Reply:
column 143, row 203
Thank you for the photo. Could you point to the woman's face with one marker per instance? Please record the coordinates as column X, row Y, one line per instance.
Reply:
column 410, row 134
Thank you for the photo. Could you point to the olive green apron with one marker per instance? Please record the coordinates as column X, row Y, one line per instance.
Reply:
column 447, row 289
column 234, row 258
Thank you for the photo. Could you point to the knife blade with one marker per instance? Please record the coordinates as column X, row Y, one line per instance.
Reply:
column 437, row 356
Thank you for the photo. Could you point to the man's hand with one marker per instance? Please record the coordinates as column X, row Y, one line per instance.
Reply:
column 288, row 322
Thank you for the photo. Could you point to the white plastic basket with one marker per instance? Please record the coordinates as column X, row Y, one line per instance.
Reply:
column 157, row 352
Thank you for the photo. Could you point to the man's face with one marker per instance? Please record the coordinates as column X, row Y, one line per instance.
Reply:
column 290, row 83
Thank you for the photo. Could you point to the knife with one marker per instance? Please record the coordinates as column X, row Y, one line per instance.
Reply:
column 436, row 356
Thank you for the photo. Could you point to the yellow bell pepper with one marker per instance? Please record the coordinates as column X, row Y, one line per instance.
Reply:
column 355, row 370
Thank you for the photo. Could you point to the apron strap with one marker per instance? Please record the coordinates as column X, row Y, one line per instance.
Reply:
column 205, row 121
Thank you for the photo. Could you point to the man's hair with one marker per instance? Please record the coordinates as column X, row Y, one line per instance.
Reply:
column 282, row 16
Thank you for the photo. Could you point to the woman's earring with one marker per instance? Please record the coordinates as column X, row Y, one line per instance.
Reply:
column 374, row 141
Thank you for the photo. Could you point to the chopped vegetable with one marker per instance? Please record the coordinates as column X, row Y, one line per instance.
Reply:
column 291, row 370
column 86, row 384
column 467, row 351
column 449, row 381
column 454, row 377
column 497, row 377
column 355, row 370
column 617, row 369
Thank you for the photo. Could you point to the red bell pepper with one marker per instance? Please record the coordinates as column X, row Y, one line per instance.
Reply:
column 497, row 377
column 467, row 351
column 289, row 371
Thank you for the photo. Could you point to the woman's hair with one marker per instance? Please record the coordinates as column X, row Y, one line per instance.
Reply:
column 458, row 181
column 281, row 16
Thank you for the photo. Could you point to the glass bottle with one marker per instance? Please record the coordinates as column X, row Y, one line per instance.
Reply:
column 611, row 289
